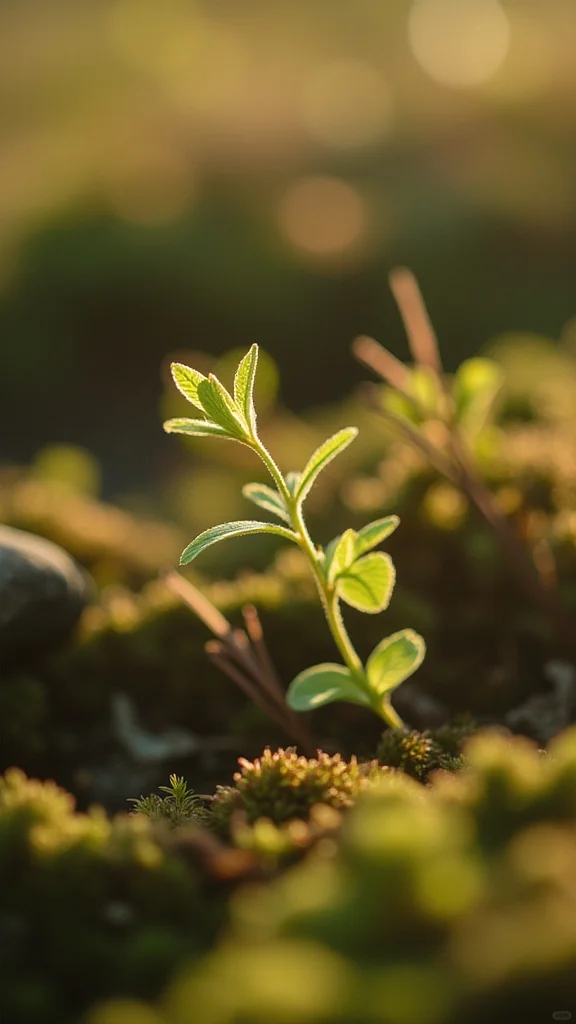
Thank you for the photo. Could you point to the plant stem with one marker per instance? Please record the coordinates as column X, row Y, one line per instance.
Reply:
column 328, row 595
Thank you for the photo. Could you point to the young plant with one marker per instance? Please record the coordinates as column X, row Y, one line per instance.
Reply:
column 348, row 570
column 445, row 419
column 180, row 806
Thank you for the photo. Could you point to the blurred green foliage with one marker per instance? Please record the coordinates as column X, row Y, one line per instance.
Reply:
column 88, row 905
column 440, row 904
column 282, row 785
column 202, row 176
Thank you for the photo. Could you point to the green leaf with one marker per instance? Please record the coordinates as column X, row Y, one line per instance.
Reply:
column 187, row 381
column 475, row 389
column 394, row 659
column 341, row 555
column 225, row 530
column 244, row 386
column 321, row 457
column 374, row 533
column 197, row 428
column 292, row 481
column 266, row 497
column 324, row 684
column 368, row 584
column 219, row 406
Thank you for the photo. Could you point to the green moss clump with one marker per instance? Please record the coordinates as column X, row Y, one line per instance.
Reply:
column 282, row 786
column 440, row 904
column 89, row 906
column 420, row 753
column 178, row 807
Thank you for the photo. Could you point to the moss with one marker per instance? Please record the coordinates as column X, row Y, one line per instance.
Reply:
column 89, row 905
column 177, row 807
column 420, row 753
column 282, row 786
column 414, row 910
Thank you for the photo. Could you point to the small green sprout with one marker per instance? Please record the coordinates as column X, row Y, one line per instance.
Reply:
column 180, row 806
column 348, row 570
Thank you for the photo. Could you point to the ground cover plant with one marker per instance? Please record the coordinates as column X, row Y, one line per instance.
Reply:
column 440, row 904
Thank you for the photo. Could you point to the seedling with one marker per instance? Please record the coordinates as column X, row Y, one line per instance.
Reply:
column 348, row 570
column 444, row 418
column 180, row 805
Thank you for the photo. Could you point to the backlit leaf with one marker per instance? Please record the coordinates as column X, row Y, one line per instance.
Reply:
column 342, row 555
column 322, row 456
column 244, row 386
column 394, row 659
column 225, row 530
column 292, row 481
column 368, row 583
column 374, row 533
column 266, row 497
column 197, row 428
column 219, row 406
column 324, row 684
column 187, row 380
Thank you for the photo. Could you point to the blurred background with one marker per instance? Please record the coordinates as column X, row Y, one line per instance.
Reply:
column 194, row 176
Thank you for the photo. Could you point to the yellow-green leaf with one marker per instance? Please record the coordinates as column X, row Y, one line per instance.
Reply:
column 244, row 387
column 368, row 584
column 324, row 684
column 220, row 407
column 187, row 381
column 236, row 529
column 196, row 428
column 321, row 457
column 266, row 497
column 374, row 533
column 341, row 555
column 394, row 660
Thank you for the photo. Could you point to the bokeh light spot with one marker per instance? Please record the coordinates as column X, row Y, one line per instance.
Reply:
column 346, row 103
column 322, row 215
column 460, row 43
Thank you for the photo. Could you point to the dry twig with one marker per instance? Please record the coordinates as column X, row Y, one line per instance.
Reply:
column 244, row 658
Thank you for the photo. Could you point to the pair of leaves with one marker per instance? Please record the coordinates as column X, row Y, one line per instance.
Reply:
column 299, row 484
column 364, row 581
column 226, row 416
column 389, row 665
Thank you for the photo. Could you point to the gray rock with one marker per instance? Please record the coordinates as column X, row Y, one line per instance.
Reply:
column 42, row 595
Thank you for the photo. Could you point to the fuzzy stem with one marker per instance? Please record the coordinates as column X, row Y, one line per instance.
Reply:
column 328, row 595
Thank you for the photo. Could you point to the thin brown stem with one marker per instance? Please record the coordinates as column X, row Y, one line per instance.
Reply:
column 417, row 324
column 384, row 364
column 244, row 658
column 199, row 604
column 219, row 656
column 437, row 458
column 256, row 634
